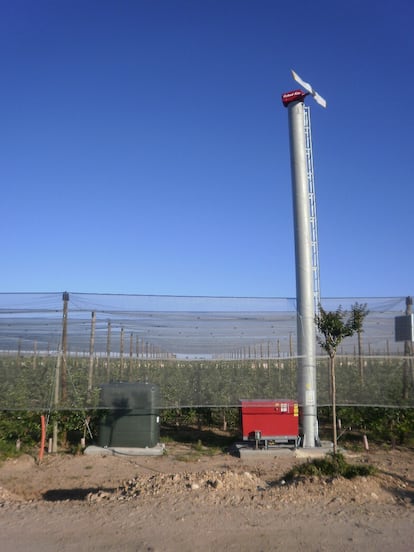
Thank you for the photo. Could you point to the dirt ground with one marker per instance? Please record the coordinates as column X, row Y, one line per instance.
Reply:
column 187, row 500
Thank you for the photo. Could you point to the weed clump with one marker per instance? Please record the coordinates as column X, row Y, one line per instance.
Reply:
column 332, row 465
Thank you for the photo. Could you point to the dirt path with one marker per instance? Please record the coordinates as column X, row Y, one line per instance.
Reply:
column 185, row 502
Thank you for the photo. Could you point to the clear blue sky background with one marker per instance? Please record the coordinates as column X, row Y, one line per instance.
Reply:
column 144, row 146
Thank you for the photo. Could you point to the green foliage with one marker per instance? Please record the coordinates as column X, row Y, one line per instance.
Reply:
column 334, row 327
column 210, row 384
column 208, row 439
column 358, row 313
column 22, row 426
column 205, row 449
column 383, row 381
column 333, row 465
column 9, row 450
column 391, row 425
column 26, row 427
column 27, row 384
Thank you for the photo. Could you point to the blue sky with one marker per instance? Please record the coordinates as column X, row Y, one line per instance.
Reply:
column 144, row 145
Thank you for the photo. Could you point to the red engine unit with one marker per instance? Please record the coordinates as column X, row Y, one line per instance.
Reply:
column 266, row 420
column 293, row 96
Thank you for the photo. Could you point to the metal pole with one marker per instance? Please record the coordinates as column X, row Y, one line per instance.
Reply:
column 64, row 391
column 56, row 402
column 91, row 351
column 108, row 351
column 61, row 370
column 121, row 353
column 306, row 334
column 408, row 352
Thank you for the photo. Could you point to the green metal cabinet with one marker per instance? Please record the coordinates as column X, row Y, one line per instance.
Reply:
column 132, row 417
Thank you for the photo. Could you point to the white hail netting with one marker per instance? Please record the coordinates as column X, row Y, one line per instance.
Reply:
column 200, row 350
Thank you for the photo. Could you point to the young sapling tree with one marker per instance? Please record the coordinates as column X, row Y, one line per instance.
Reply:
column 359, row 312
column 333, row 328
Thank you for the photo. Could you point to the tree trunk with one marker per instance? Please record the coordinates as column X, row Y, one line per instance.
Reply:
column 360, row 359
column 333, row 394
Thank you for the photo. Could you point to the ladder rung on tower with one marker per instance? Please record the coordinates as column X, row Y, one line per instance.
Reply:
column 312, row 208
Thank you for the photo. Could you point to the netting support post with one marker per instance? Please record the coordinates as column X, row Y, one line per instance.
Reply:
column 56, row 402
column 64, row 391
column 305, row 310
column 91, row 352
column 408, row 375
column 60, row 375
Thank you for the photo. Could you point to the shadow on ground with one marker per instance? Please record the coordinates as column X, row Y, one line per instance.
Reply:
column 405, row 492
column 59, row 495
column 190, row 434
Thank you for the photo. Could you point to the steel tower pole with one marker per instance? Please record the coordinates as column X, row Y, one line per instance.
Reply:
column 305, row 310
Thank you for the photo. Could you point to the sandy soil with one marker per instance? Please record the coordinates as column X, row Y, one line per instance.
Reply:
column 187, row 501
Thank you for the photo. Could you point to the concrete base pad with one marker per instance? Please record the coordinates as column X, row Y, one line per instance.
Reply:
column 93, row 450
column 315, row 452
column 247, row 452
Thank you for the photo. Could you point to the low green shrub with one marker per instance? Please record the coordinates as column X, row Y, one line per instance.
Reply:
column 19, row 431
column 330, row 466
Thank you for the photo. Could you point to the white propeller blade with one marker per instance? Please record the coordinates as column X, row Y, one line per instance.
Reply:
column 318, row 99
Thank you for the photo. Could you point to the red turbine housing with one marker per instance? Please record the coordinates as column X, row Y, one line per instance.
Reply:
column 293, row 96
